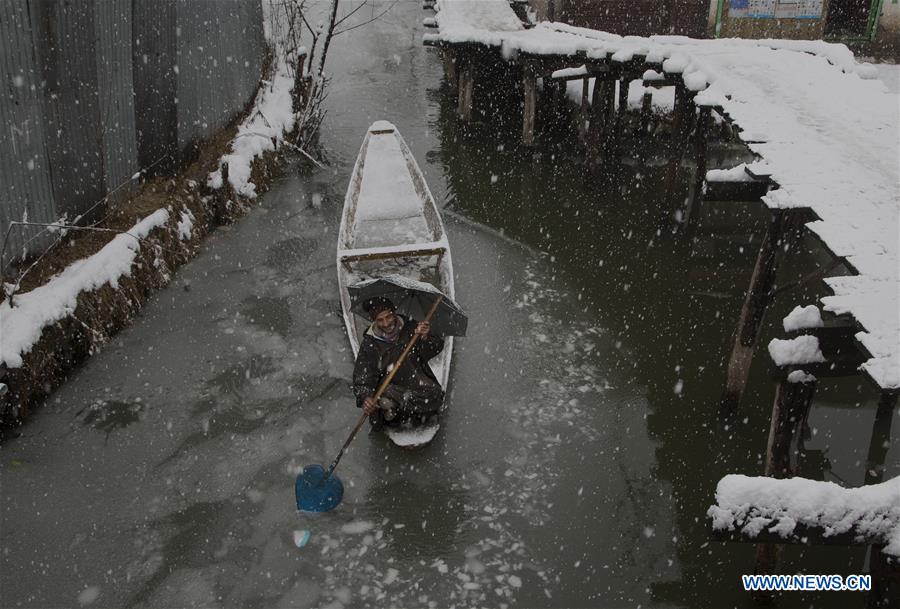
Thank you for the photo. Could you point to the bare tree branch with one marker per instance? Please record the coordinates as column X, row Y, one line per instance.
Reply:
column 348, row 15
column 375, row 18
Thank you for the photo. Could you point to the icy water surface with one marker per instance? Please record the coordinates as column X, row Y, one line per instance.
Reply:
column 580, row 451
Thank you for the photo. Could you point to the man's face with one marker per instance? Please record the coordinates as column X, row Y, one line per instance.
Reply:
column 386, row 321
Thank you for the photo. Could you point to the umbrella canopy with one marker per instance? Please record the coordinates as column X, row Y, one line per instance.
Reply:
column 413, row 299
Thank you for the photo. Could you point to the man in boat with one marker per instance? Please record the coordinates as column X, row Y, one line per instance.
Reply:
column 414, row 395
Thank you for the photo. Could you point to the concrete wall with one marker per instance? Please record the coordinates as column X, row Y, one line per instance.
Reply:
column 95, row 90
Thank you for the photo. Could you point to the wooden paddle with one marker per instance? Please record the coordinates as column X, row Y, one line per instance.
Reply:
column 387, row 381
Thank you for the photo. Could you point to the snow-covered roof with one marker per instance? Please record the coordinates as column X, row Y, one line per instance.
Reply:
column 826, row 129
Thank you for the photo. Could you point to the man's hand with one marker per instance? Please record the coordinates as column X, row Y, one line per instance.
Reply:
column 423, row 328
column 369, row 406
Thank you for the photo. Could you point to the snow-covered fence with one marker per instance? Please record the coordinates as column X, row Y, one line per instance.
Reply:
column 102, row 89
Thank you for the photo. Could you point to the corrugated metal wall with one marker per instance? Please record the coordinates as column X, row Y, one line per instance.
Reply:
column 154, row 40
column 220, row 52
column 94, row 90
column 112, row 24
column 66, row 52
column 24, row 166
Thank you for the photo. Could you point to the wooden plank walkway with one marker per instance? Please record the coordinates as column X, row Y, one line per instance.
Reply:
column 825, row 129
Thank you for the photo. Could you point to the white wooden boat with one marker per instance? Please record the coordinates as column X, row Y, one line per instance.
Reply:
column 391, row 225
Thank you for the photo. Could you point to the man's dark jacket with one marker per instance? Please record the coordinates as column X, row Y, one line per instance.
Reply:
column 376, row 355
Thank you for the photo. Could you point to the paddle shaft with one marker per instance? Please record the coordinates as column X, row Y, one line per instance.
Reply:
column 387, row 381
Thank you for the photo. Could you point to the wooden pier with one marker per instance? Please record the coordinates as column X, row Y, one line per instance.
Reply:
column 545, row 62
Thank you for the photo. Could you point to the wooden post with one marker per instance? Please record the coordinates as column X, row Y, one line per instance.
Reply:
column 465, row 89
column 450, row 71
column 582, row 115
column 621, row 109
column 885, row 570
column 646, row 112
column 771, row 252
column 681, row 126
column 789, row 414
column 695, row 200
column 598, row 119
column 700, row 146
column 592, row 138
column 881, row 438
column 529, row 105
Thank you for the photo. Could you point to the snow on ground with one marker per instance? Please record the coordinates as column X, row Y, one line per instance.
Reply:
column 755, row 504
column 889, row 74
column 822, row 121
column 272, row 117
column 21, row 325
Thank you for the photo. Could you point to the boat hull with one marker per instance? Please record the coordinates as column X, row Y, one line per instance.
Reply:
column 391, row 225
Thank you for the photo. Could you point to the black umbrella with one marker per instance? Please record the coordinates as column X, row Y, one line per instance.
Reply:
column 413, row 299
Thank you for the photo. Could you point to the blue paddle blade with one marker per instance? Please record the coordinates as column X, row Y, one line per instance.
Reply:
column 315, row 494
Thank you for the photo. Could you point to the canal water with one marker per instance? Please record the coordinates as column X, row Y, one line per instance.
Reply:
column 581, row 448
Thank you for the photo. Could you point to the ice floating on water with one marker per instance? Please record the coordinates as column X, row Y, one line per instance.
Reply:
column 301, row 538
column 88, row 595
column 357, row 526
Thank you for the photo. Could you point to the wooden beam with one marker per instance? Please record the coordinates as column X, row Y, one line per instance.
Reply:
column 621, row 110
column 771, row 252
column 789, row 413
column 583, row 110
column 700, row 146
column 529, row 105
column 885, row 571
column 450, row 71
column 465, row 90
column 601, row 113
column 412, row 253
column 737, row 191
column 661, row 83
column 880, row 441
column 681, row 126
column 646, row 112
column 802, row 535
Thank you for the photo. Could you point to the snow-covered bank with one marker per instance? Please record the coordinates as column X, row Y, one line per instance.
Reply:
column 50, row 329
column 824, row 124
column 752, row 505
column 271, row 119
column 21, row 325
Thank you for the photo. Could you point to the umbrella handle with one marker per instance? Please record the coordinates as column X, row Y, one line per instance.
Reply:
column 382, row 387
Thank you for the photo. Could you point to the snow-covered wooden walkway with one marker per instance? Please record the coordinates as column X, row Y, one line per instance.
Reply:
column 826, row 132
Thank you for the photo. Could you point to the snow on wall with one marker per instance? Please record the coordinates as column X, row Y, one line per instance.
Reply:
column 826, row 129
column 754, row 504
column 21, row 325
